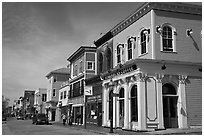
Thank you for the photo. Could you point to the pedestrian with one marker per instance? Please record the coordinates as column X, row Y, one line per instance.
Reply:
column 64, row 119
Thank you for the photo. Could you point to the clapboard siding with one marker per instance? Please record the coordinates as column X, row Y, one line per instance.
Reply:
column 194, row 102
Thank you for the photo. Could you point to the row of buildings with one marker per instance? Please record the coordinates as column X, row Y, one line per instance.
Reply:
column 143, row 74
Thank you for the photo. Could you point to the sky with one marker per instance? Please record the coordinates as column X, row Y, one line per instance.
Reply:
column 37, row 38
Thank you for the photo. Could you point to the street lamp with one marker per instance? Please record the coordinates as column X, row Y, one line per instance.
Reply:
column 111, row 86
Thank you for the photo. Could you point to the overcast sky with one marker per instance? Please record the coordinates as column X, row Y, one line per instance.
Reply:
column 39, row 37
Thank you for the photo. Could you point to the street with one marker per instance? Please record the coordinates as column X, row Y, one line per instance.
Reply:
column 25, row 127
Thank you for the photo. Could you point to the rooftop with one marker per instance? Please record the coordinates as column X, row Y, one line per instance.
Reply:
column 59, row 71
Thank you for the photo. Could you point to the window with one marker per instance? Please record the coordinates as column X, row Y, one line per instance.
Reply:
column 53, row 93
column 90, row 66
column 54, row 80
column 130, row 47
column 100, row 59
column 75, row 69
column 108, row 57
column 143, row 42
column 44, row 97
column 80, row 67
column 110, row 105
column 65, row 94
column 118, row 54
column 167, row 39
column 134, row 105
column 61, row 95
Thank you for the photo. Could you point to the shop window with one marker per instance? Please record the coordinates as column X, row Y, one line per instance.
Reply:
column 134, row 105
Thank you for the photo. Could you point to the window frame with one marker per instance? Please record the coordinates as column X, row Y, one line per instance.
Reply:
column 145, row 42
column 130, row 39
column 119, row 54
column 81, row 66
column 54, row 92
column 92, row 64
column 173, row 38
column 135, row 105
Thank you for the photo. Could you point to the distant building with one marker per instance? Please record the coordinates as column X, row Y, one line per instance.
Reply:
column 40, row 100
column 55, row 79
column 82, row 66
column 28, row 102
column 63, row 100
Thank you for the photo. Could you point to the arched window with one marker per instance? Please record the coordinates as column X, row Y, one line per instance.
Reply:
column 108, row 57
column 100, row 59
column 143, row 42
column 118, row 54
column 134, row 105
column 130, row 48
column 168, row 38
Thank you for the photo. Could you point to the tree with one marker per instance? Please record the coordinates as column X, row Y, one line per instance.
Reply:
column 5, row 103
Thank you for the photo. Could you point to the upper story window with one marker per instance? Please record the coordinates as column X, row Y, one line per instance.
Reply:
column 108, row 57
column 44, row 97
column 100, row 59
column 53, row 93
column 81, row 67
column 168, row 36
column 75, row 69
column 119, row 53
column 65, row 94
column 143, row 41
column 61, row 95
column 130, row 48
column 54, row 80
column 90, row 65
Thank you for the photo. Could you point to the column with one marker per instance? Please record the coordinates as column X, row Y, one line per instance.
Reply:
column 182, row 114
column 141, row 101
column 159, row 78
column 104, row 109
column 126, row 106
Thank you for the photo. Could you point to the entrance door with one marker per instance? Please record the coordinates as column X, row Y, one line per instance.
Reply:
column 53, row 115
column 121, row 108
column 99, row 114
column 170, row 106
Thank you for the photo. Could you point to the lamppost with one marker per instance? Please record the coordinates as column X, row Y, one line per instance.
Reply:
column 111, row 86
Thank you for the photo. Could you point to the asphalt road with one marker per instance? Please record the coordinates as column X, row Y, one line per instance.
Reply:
column 25, row 127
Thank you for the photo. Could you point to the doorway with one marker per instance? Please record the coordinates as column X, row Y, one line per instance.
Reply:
column 170, row 100
column 53, row 115
column 121, row 107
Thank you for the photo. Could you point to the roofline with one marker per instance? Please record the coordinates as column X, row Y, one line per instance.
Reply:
column 79, row 50
column 48, row 75
column 181, row 7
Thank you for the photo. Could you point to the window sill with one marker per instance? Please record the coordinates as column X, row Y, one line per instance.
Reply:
column 174, row 52
column 143, row 54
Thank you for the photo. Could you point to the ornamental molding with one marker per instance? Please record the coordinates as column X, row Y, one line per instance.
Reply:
column 141, row 77
column 159, row 77
column 182, row 79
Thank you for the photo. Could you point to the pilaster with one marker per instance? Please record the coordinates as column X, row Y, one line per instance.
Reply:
column 141, row 101
column 159, row 78
column 182, row 113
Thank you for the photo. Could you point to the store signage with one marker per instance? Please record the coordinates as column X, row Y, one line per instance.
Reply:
column 88, row 90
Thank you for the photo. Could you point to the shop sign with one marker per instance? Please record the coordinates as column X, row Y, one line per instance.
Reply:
column 88, row 90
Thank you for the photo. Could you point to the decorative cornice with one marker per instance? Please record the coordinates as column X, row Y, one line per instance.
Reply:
column 165, row 6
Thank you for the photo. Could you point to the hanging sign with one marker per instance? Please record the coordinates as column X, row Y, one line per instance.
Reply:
column 88, row 90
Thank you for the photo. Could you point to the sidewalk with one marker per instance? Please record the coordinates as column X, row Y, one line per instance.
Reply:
column 105, row 131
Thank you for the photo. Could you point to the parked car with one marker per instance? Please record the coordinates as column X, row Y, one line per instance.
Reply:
column 40, row 118
column 20, row 117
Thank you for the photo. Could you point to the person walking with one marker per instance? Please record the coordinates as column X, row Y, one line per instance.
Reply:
column 64, row 119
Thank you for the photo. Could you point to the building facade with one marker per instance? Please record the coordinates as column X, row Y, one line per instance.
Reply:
column 62, row 106
column 40, row 99
column 55, row 79
column 82, row 66
column 28, row 102
column 156, row 78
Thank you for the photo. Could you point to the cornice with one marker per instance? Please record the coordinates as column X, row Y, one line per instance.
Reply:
column 165, row 6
